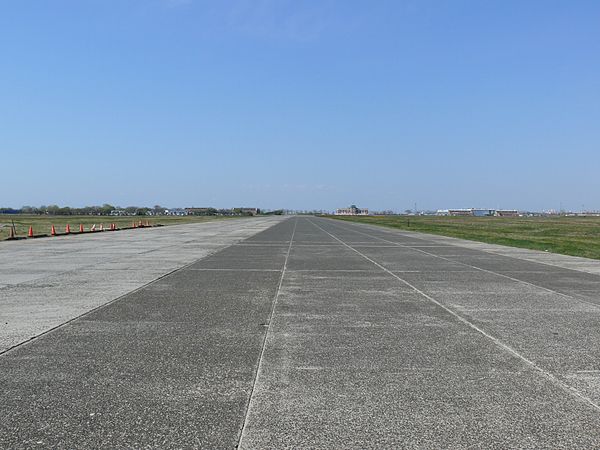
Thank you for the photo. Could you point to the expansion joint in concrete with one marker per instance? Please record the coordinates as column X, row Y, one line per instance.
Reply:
column 481, row 269
column 268, row 327
column 506, row 348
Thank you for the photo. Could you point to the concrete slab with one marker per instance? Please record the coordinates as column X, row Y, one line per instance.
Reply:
column 551, row 259
column 46, row 282
column 169, row 366
column 368, row 362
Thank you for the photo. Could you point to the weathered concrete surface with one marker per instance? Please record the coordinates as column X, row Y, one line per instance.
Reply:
column 376, row 344
column 168, row 366
column 322, row 334
column 552, row 259
column 46, row 282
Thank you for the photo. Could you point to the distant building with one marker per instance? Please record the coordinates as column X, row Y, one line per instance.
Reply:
column 507, row 213
column 478, row 212
column 387, row 212
column 460, row 212
column 251, row 211
column 200, row 211
column 176, row 212
column 483, row 212
column 352, row 211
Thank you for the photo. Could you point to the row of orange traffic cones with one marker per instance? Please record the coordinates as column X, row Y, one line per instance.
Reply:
column 113, row 227
column 141, row 224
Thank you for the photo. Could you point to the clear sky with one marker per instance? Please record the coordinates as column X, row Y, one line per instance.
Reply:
column 300, row 104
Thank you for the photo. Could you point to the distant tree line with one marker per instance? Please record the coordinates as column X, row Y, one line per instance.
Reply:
column 111, row 210
column 218, row 212
column 55, row 210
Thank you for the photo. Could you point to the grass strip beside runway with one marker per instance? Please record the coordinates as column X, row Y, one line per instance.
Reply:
column 575, row 236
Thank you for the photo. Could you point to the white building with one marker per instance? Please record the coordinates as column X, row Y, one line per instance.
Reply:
column 352, row 211
column 176, row 212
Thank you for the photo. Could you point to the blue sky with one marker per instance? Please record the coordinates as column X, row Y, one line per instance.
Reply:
column 300, row 104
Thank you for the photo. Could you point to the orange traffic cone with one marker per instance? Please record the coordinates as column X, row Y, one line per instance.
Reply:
column 68, row 229
column 30, row 232
column 133, row 224
column 81, row 228
column 53, row 231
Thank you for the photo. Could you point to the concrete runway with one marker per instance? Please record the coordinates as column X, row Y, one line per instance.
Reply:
column 46, row 282
column 321, row 334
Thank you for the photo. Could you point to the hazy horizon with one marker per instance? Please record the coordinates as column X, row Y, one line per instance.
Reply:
column 312, row 105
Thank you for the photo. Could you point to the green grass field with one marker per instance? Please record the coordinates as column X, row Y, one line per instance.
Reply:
column 577, row 236
column 42, row 224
